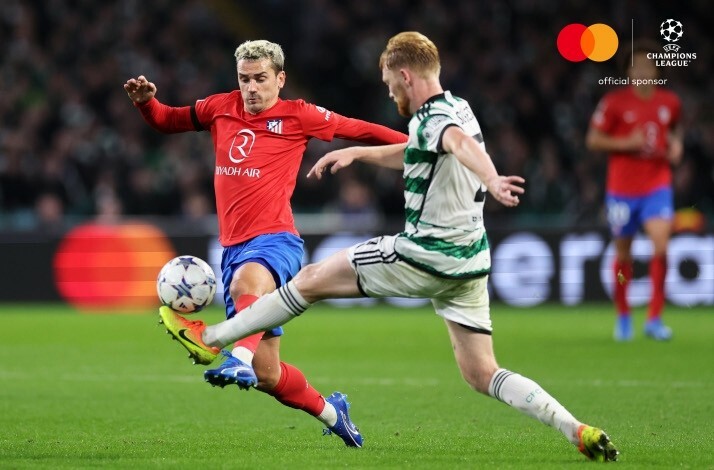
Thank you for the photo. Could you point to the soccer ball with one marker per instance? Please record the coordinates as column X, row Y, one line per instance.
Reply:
column 186, row 284
column 671, row 30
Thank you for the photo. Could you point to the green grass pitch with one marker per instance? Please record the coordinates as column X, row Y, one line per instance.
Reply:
column 80, row 391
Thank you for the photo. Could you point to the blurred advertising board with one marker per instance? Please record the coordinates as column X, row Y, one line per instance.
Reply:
column 95, row 266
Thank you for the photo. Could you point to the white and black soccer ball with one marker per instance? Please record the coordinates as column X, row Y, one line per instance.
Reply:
column 671, row 30
column 186, row 284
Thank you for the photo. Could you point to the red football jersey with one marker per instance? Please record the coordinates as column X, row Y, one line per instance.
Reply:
column 258, row 155
column 618, row 114
column 257, row 161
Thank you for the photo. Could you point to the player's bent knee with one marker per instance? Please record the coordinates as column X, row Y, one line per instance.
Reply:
column 266, row 363
column 235, row 290
column 307, row 276
column 267, row 379
column 266, row 386
column 310, row 282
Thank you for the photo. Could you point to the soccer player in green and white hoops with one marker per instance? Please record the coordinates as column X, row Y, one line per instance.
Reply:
column 442, row 253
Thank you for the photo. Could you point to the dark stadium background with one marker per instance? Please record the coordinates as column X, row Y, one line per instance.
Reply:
column 73, row 150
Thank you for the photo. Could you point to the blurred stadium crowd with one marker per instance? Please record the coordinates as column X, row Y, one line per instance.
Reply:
column 73, row 147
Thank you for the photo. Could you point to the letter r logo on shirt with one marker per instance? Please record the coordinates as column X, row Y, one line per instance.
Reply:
column 242, row 144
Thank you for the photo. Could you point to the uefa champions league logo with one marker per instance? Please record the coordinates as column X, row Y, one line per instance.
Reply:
column 671, row 31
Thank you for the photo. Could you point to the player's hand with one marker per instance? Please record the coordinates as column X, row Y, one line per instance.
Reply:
column 675, row 151
column 505, row 189
column 140, row 90
column 335, row 160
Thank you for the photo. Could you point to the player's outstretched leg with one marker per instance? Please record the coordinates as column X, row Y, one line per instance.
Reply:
column 188, row 333
column 596, row 445
column 528, row 397
column 344, row 427
column 232, row 371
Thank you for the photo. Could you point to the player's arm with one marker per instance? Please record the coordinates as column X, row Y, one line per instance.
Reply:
column 599, row 137
column 675, row 150
column 387, row 156
column 599, row 141
column 159, row 116
column 465, row 148
column 366, row 132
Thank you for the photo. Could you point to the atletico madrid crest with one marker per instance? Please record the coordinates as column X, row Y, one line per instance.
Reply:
column 275, row 125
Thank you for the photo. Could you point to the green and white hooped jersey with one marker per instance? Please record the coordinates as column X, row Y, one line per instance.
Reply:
column 444, row 232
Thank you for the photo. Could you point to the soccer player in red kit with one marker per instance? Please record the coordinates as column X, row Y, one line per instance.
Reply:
column 638, row 126
column 259, row 140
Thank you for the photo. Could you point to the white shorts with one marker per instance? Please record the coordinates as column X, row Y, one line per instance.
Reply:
column 380, row 273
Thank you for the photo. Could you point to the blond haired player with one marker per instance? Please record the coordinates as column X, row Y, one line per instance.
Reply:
column 259, row 140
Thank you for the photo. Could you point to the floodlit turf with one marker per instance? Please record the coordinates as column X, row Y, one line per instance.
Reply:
column 80, row 390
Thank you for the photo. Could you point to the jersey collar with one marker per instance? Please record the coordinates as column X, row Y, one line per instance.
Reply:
column 445, row 95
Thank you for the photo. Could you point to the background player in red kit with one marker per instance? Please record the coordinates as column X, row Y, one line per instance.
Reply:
column 259, row 140
column 639, row 127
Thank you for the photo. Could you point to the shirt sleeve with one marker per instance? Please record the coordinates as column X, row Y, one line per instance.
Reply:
column 206, row 109
column 431, row 130
column 676, row 111
column 604, row 117
column 168, row 119
column 366, row 132
column 317, row 121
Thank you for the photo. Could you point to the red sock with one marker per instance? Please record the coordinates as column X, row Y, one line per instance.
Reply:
column 294, row 391
column 250, row 342
column 658, row 271
column 623, row 276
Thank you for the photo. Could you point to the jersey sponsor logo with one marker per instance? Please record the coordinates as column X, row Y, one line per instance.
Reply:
column 238, row 171
column 241, row 146
column 275, row 126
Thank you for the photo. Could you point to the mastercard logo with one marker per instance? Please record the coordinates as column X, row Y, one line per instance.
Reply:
column 597, row 42
column 102, row 268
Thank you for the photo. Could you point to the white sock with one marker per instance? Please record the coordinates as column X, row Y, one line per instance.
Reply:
column 528, row 397
column 244, row 354
column 269, row 311
column 328, row 415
